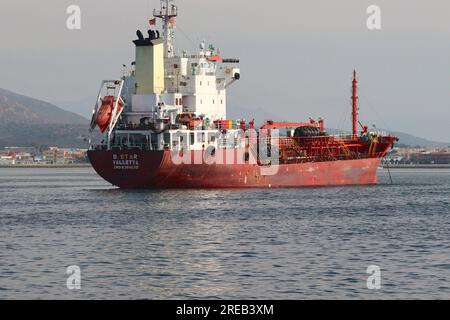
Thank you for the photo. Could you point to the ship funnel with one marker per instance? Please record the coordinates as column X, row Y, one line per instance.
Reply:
column 149, row 66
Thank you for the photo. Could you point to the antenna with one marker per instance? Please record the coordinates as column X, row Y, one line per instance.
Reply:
column 167, row 14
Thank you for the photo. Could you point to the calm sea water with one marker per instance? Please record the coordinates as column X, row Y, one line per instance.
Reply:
column 312, row 243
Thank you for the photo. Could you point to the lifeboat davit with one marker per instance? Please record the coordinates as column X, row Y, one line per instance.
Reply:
column 104, row 114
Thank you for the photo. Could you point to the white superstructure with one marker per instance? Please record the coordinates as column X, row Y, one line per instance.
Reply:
column 165, row 94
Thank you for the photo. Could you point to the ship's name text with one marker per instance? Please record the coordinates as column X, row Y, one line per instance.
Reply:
column 125, row 162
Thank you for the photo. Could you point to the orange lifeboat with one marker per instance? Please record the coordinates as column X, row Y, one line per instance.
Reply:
column 104, row 114
column 189, row 120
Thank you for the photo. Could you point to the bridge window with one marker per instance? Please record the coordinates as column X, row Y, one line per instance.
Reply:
column 167, row 138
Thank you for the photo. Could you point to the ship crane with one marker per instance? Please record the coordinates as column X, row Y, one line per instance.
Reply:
column 276, row 125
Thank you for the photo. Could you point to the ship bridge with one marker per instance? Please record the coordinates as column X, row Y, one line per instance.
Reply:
column 162, row 88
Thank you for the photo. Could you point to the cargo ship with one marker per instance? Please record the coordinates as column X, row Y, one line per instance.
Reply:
column 164, row 125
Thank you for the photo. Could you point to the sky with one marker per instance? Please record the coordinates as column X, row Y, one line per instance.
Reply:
column 297, row 56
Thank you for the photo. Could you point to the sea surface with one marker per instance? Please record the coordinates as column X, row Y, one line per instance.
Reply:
column 310, row 243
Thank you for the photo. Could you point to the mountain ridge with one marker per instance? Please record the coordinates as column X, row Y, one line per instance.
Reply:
column 26, row 121
column 260, row 115
column 15, row 107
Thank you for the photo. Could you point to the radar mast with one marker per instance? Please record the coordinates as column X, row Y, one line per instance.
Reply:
column 167, row 14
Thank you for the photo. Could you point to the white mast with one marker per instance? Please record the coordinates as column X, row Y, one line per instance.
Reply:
column 167, row 14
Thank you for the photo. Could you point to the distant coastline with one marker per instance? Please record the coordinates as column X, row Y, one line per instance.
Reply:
column 88, row 165
column 46, row 166
column 416, row 166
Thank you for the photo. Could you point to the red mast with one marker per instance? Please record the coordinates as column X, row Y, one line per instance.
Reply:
column 355, row 104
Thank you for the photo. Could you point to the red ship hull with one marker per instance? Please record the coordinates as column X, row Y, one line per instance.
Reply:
column 156, row 170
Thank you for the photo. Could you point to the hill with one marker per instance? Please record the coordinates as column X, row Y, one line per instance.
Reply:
column 26, row 121
column 407, row 139
column 18, row 108
column 413, row 141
